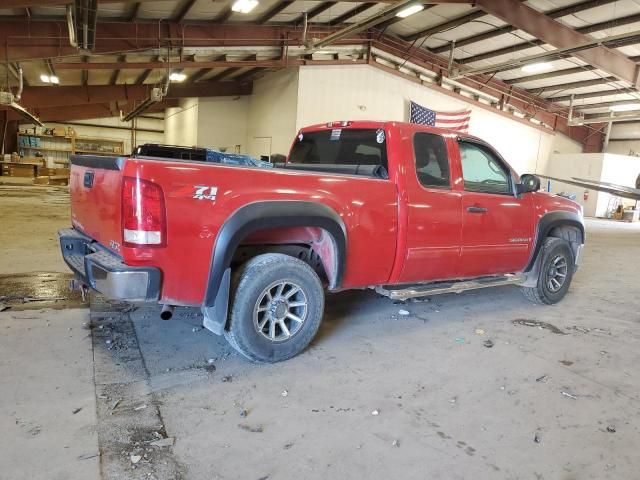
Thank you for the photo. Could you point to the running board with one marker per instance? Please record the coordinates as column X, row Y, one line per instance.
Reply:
column 449, row 287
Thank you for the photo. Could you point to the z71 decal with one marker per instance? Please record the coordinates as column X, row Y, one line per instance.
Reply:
column 204, row 192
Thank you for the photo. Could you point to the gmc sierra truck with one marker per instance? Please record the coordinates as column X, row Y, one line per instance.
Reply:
column 404, row 209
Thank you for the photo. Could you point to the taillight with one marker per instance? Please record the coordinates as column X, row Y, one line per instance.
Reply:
column 143, row 213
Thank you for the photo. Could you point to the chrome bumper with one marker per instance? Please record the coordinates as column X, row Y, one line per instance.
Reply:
column 105, row 272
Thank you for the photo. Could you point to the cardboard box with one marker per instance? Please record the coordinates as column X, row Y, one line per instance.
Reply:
column 22, row 171
column 61, row 171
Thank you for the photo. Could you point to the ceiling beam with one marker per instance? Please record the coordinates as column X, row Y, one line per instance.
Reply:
column 603, row 93
column 275, row 10
column 45, row 97
column 184, row 10
column 596, row 27
column 224, row 15
column 351, row 13
column 547, row 75
column 249, row 74
column 116, row 73
column 204, row 71
column 448, row 25
column 560, row 36
column 555, row 13
column 164, row 65
column 133, row 13
column 314, row 12
column 593, row 106
column 571, row 85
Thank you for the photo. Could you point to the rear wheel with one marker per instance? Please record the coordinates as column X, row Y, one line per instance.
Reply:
column 277, row 306
column 556, row 272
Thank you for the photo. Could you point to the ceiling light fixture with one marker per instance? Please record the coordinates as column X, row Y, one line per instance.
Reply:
column 625, row 107
column 410, row 10
column 177, row 77
column 537, row 67
column 244, row 6
column 49, row 79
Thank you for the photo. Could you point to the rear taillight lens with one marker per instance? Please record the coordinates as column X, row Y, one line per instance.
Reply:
column 143, row 213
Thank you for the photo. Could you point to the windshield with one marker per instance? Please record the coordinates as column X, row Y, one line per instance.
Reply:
column 341, row 146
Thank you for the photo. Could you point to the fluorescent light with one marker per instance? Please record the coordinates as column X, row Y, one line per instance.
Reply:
column 44, row 78
column 177, row 77
column 410, row 10
column 244, row 6
column 625, row 107
column 537, row 67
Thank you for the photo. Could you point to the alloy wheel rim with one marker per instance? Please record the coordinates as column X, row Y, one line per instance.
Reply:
column 557, row 273
column 280, row 311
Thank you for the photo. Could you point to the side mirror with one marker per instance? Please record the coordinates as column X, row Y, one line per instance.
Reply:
column 528, row 183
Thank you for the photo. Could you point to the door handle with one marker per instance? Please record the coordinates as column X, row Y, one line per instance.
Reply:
column 476, row 210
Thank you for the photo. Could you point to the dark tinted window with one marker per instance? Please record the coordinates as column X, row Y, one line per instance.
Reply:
column 341, row 146
column 482, row 171
column 432, row 161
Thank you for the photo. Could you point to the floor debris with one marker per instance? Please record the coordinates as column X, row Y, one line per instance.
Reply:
column 404, row 312
column 135, row 458
column 536, row 323
column 163, row 442
column 396, row 443
column 76, row 410
column 537, row 438
column 611, row 429
column 284, row 393
column 479, row 331
column 227, row 379
column 542, row 379
column 375, row 413
column 252, row 429
column 566, row 363
column 488, row 343
column 570, row 395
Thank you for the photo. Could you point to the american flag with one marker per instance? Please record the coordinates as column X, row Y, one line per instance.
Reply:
column 458, row 121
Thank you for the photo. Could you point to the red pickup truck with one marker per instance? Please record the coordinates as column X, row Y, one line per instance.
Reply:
column 406, row 209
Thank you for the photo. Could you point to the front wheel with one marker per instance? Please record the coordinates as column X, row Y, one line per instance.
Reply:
column 556, row 271
column 277, row 306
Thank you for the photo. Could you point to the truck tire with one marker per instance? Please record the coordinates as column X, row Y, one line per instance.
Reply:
column 556, row 271
column 277, row 305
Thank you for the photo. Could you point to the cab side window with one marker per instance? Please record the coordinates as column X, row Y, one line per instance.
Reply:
column 482, row 171
column 432, row 161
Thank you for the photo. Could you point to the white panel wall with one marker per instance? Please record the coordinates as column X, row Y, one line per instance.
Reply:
column 621, row 170
column 627, row 131
column 222, row 123
column 272, row 113
column 580, row 165
column 181, row 123
column 363, row 92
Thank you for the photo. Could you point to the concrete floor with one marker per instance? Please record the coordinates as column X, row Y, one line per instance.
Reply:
column 538, row 404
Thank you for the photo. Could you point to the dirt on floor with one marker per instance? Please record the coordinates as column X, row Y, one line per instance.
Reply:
column 480, row 385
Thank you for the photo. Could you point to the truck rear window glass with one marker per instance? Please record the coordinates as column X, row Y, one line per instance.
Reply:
column 432, row 161
column 341, row 147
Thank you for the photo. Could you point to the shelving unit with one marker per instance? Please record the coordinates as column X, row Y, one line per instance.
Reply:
column 54, row 151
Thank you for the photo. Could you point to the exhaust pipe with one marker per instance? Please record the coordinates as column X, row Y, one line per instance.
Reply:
column 167, row 312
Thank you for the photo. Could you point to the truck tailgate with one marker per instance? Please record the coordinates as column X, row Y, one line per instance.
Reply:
column 95, row 186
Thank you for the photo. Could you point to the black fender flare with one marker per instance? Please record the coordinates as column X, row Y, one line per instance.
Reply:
column 548, row 222
column 259, row 216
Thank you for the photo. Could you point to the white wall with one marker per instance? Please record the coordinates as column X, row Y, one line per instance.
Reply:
column 621, row 170
column 364, row 92
column 272, row 113
column 181, row 123
column 222, row 123
column 580, row 165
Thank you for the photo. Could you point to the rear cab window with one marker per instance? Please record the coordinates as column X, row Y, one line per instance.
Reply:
column 431, row 160
column 342, row 150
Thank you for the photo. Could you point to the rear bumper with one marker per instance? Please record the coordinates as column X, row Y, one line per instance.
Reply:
column 105, row 272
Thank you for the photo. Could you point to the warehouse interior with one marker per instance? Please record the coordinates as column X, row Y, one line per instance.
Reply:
column 496, row 387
